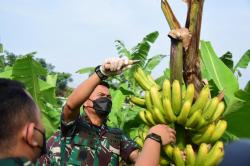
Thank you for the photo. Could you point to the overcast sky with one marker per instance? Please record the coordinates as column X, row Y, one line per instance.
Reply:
column 81, row 33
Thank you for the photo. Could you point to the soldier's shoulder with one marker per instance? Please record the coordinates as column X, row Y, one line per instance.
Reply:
column 54, row 140
column 115, row 130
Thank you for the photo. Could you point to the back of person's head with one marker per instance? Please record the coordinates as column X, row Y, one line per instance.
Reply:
column 16, row 109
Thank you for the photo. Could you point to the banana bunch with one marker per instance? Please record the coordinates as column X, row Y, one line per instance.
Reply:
column 145, row 80
column 210, row 133
column 205, row 156
column 141, row 135
column 174, row 104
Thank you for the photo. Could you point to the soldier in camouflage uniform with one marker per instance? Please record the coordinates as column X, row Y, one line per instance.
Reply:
column 22, row 138
column 87, row 140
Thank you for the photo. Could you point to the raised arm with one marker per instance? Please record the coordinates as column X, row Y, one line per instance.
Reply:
column 150, row 154
column 111, row 66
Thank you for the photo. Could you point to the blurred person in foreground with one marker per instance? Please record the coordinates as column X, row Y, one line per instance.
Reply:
column 22, row 135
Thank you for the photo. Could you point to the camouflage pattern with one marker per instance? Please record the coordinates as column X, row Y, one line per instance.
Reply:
column 15, row 162
column 87, row 144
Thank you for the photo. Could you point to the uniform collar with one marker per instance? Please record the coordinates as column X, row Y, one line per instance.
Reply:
column 15, row 161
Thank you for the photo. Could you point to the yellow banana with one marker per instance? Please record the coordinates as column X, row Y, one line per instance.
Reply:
column 194, row 119
column 219, row 111
column 152, row 81
column 168, row 149
column 202, row 123
column 190, row 155
column 201, row 155
column 207, row 104
column 158, row 116
column 143, row 83
column 138, row 101
column 149, row 118
column 201, row 100
column 189, row 93
column 182, row 118
column 143, row 118
column 155, row 97
column 169, row 114
column 220, row 128
column 146, row 128
column 176, row 97
column 205, row 137
column 166, row 89
column 209, row 112
column 144, row 76
column 215, row 154
column 148, row 101
column 163, row 162
column 177, row 157
column 183, row 91
column 144, row 134
column 139, row 141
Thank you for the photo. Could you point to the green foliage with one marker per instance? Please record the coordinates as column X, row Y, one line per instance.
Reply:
column 63, row 79
column 227, row 60
column 8, row 59
column 1, row 48
column 122, row 50
column 6, row 73
column 220, row 73
column 238, row 119
column 244, row 61
column 153, row 62
column 166, row 75
column 29, row 71
column 85, row 70
column 222, row 76
column 48, row 88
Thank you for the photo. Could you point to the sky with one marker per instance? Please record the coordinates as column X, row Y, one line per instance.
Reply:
column 81, row 33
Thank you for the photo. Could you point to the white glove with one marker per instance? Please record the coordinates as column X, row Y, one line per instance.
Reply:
column 114, row 66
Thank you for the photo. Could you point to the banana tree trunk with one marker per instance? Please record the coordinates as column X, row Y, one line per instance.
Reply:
column 192, row 72
column 184, row 55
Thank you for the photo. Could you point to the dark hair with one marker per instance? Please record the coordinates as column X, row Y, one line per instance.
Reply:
column 16, row 109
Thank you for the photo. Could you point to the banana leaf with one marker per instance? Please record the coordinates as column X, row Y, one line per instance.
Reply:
column 227, row 60
column 117, row 102
column 122, row 50
column 48, row 89
column 238, row 116
column 153, row 62
column 222, row 76
column 85, row 70
column 27, row 71
column 7, row 73
column 244, row 61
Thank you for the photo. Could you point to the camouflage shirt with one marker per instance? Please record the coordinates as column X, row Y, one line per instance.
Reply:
column 87, row 144
column 15, row 161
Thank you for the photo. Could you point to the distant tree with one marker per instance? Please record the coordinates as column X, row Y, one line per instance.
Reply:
column 8, row 59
